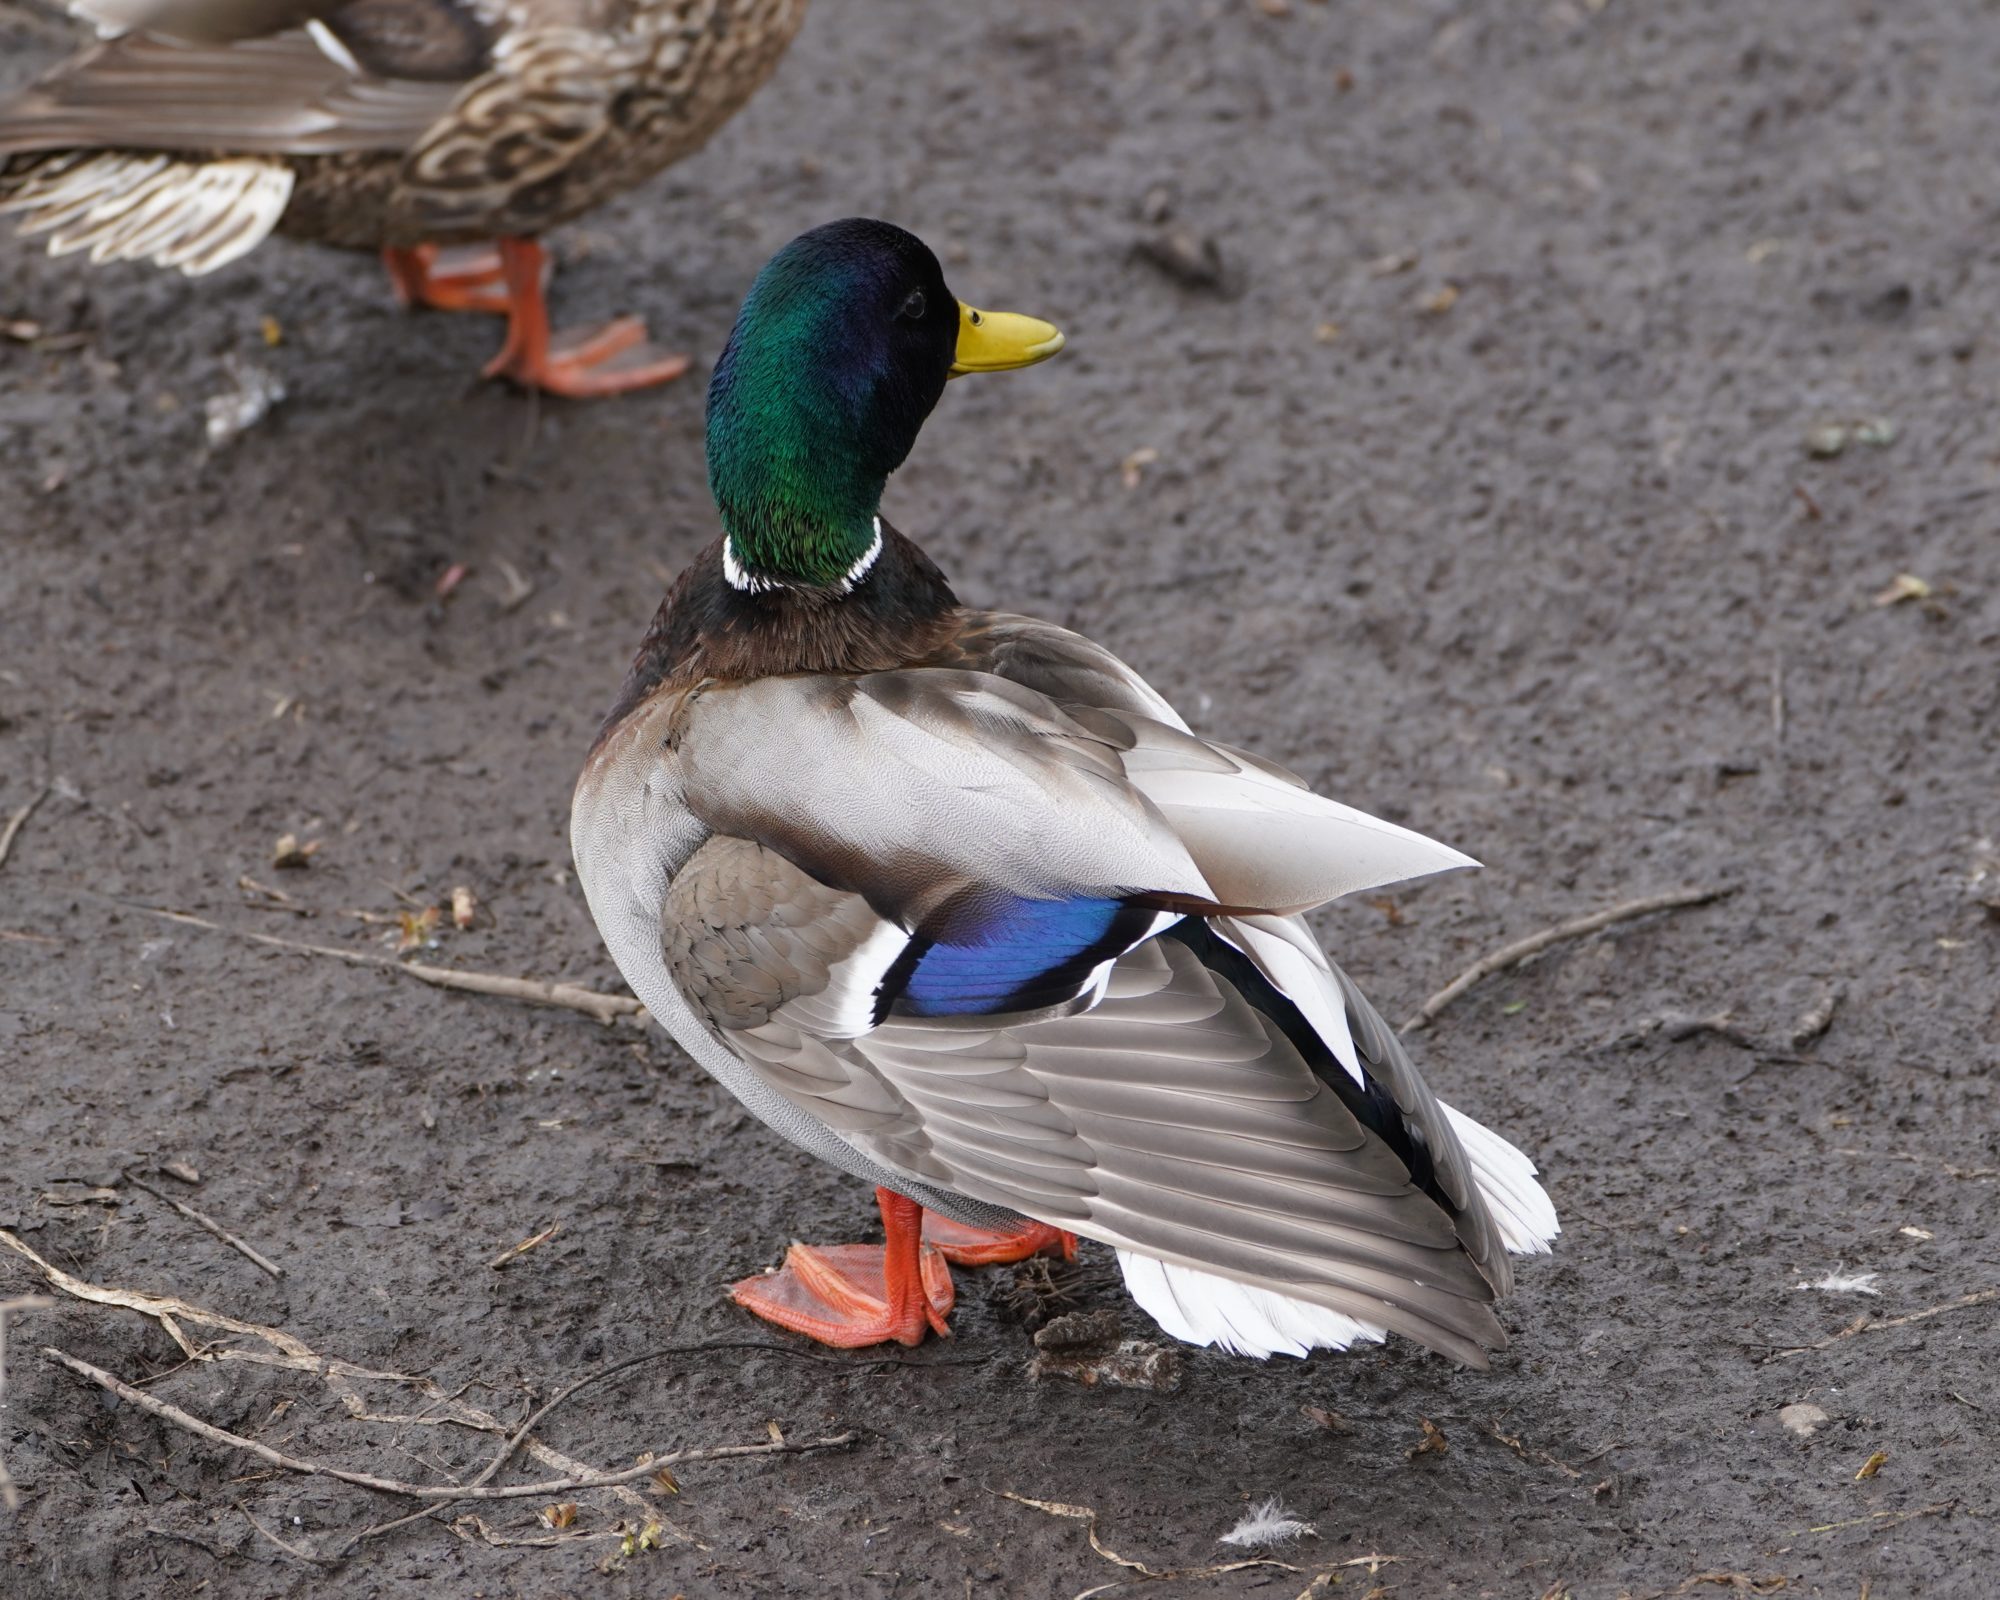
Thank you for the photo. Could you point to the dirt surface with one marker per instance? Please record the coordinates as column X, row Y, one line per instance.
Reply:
column 1546, row 569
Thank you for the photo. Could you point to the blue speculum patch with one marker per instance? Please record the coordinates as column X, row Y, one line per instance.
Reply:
column 1026, row 954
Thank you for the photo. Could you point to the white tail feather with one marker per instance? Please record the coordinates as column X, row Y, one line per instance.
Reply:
column 1521, row 1206
column 1201, row 1308
column 194, row 215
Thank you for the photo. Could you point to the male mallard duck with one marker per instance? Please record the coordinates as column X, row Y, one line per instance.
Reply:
column 955, row 901
column 200, row 127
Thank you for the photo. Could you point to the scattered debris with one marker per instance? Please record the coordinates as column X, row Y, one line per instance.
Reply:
column 417, row 930
column 1817, row 1017
column 464, row 907
column 1267, row 1525
column 288, row 855
column 272, row 330
column 450, row 579
column 270, row 899
column 1802, row 1419
column 1400, row 261
column 1871, row 1466
column 1089, row 1347
column 559, row 1516
column 1088, row 1517
column 1433, row 1442
column 1438, row 301
column 1134, row 466
column 253, row 391
column 1332, row 1421
column 1520, row 950
column 1923, row 1234
column 1839, row 1282
column 1829, row 439
column 1326, row 332
column 185, row 1171
column 1904, row 586
column 1192, row 260
column 515, row 1250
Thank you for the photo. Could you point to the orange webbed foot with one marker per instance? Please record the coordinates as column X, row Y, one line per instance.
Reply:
column 852, row 1295
column 964, row 1246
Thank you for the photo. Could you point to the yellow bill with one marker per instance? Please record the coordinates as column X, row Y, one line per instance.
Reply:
column 998, row 341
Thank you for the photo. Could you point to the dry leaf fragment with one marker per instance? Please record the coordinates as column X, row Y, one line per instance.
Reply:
column 184, row 1170
column 464, row 907
column 1332, row 1421
column 1327, row 332
column 1275, row 8
column 272, row 330
column 1872, row 1465
column 289, row 855
column 417, row 928
column 664, row 1482
column 1917, row 1233
column 1905, row 586
column 1388, row 266
column 1433, row 1443
column 559, row 1516
column 1439, row 300
column 1133, row 467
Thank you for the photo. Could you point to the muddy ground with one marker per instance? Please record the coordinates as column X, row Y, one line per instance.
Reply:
column 1482, row 497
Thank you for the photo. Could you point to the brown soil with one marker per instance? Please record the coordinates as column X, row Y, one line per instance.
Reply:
column 1546, row 569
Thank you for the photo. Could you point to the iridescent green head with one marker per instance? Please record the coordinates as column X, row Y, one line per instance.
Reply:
column 838, row 356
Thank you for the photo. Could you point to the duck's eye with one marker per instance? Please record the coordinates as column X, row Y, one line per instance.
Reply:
column 913, row 308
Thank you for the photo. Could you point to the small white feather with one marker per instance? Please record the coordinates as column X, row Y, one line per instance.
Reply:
column 1268, row 1525
column 1506, row 1178
column 1841, row 1282
column 1202, row 1308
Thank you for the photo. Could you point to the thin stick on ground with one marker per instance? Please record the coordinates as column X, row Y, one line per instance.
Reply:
column 1512, row 955
column 10, row 1496
column 546, row 1489
column 209, row 1224
column 535, row 1417
column 18, row 821
column 1859, row 1325
column 289, row 1353
column 604, row 1008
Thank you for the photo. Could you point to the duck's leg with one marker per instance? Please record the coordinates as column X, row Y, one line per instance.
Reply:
column 464, row 278
column 580, row 363
column 849, row 1295
column 991, row 1247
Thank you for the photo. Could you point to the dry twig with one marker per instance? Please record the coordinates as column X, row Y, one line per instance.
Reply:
column 210, row 1225
column 1520, row 950
column 1866, row 1324
column 19, row 820
column 288, row 1353
column 604, row 1008
column 546, row 1489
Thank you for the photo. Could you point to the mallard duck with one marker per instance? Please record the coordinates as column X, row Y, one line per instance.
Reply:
column 197, row 128
column 955, row 901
